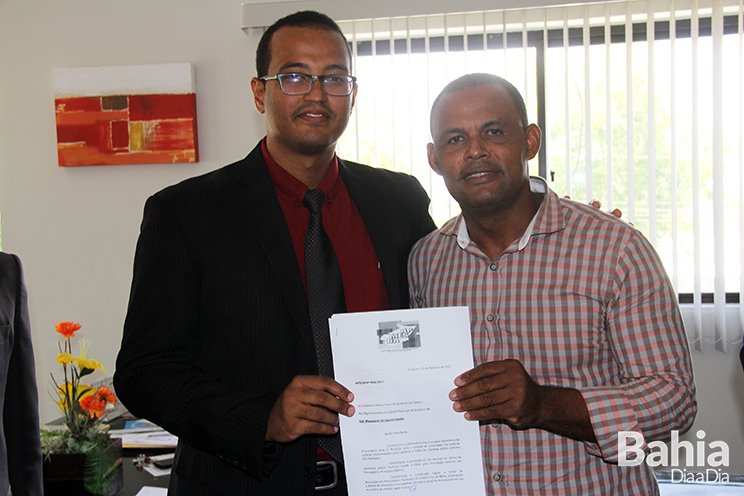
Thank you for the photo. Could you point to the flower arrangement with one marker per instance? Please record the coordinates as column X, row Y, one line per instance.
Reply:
column 83, row 406
column 84, row 409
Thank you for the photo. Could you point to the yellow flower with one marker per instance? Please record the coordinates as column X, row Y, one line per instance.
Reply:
column 65, row 358
column 85, row 363
column 89, row 364
column 66, row 390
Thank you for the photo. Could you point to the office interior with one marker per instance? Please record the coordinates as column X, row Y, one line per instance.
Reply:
column 75, row 228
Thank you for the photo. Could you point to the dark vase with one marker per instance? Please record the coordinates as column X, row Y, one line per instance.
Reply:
column 97, row 473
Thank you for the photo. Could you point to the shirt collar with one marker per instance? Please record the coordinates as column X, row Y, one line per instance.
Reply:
column 291, row 188
column 547, row 219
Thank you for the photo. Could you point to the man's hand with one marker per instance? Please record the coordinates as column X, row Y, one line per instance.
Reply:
column 310, row 404
column 501, row 390
column 598, row 205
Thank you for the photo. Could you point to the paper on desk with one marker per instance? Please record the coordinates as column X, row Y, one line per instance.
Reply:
column 145, row 438
column 405, row 438
column 153, row 491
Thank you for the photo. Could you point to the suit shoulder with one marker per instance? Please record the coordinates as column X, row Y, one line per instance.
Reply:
column 201, row 183
column 10, row 263
column 375, row 176
column 10, row 274
column 368, row 170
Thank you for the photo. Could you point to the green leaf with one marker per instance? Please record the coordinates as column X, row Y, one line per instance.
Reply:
column 84, row 372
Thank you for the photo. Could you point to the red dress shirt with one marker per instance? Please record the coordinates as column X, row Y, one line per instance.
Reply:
column 364, row 287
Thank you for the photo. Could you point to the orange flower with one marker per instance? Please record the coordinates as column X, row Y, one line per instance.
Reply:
column 105, row 394
column 93, row 405
column 67, row 329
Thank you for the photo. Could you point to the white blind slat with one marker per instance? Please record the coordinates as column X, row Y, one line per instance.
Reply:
column 697, row 292
column 651, row 79
column 718, row 192
column 629, row 125
column 588, row 166
column 673, row 143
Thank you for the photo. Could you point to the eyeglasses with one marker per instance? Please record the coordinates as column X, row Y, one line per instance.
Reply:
column 295, row 83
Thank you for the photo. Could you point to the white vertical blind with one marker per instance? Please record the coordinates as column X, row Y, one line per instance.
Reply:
column 741, row 160
column 629, row 124
column 718, row 192
column 673, row 140
column 567, row 138
column 608, row 110
column 651, row 153
column 697, row 291
column 588, row 164
column 643, row 107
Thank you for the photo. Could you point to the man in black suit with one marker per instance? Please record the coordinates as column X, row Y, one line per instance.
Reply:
column 217, row 346
column 20, row 449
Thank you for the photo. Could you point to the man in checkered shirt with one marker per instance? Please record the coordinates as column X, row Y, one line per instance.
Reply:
column 576, row 330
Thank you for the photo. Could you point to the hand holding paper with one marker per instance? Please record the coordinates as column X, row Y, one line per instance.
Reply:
column 503, row 391
column 500, row 390
column 308, row 405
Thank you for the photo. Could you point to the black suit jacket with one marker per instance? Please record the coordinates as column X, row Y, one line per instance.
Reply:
column 218, row 323
column 20, row 450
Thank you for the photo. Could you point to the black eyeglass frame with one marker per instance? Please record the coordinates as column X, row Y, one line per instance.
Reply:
column 322, row 79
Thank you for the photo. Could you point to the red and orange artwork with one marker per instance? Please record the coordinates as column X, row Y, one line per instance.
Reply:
column 126, row 115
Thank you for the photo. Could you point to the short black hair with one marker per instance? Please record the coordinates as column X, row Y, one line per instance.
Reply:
column 302, row 19
column 473, row 80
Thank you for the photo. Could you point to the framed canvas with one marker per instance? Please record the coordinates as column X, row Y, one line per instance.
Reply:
column 142, row 114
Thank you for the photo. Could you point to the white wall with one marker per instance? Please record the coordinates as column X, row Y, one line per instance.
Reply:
column 75, row 228
column 720, row 393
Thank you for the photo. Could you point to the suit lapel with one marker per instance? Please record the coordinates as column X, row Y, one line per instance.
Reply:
column 256, row 198
column 366, row 198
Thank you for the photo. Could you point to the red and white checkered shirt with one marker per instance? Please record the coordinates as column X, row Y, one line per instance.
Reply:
column 583, row 301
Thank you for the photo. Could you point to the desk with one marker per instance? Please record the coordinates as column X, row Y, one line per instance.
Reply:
column 132, row 481
column 135, row 479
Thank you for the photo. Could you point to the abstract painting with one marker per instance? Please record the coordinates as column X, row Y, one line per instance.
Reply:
column 143, row 114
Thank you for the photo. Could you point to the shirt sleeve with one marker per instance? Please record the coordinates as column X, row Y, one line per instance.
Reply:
column 417, row 273
column 656, row 394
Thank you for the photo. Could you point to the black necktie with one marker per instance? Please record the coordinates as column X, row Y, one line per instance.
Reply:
column 325, row 295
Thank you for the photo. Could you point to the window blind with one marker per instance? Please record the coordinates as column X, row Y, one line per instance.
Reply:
column 640, row 103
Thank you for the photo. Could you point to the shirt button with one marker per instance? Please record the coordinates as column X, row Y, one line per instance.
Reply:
column 489, row 317
column 497, row 477
column 309, row 473
column 493, row 266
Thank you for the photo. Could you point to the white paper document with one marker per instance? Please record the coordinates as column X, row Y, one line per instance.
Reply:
column 153, row 491
column 405, row 438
